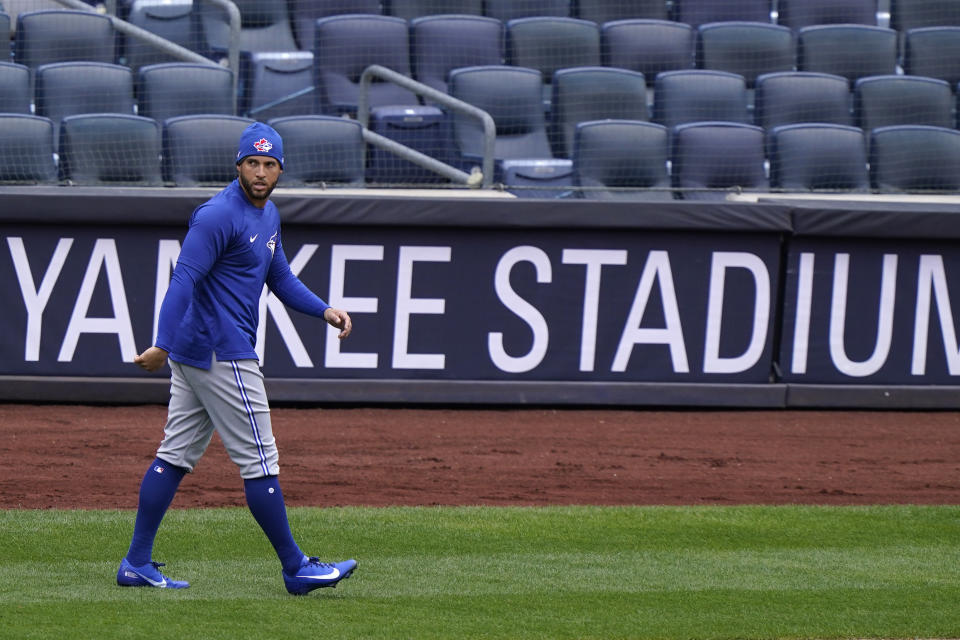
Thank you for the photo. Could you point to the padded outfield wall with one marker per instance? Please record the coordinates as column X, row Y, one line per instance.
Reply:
column 775, row 303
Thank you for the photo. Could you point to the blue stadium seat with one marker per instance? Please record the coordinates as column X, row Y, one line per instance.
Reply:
column 265, row 25
column 28, row 149
column 110, row 149
column 849, row 50
column 614, row 158
column 647, row 46
column 410, row 9
column 581, row 94
column 69, row 88
column 818, row 157
column 912, row 14
column 601, row 11
column 344, row 46
column 14, row 88
column 275, row 84
column 172, row 20
column 915, row 158
column 882, row 101
column 801, row 96
column 700, row 95
column 441, row 43
column 548, row 44
column 43, row 37
column 321, row 150
column 305, row 13
column 506, row 10
column 512, row 97
column 933, row 52
column 711, row 158
column 198, row 150
column 172, row 89
column 749, row 49
column 698, row 12
column 797, row 14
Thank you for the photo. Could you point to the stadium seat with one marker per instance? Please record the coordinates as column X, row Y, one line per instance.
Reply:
column 264, row 25
column 647, row 46
column 697, row 12
column 512, row 97
column 882, row 101
column 267, row 78
column 444, row 42
column 548, row 44
column 321, row 150
column 614, row 158
column 915, row 158
column 848, row 50
column 601, row 11
column 28, row 149
column 797, row 14
column 818, row 157
column 198, row 149
column 14, row 88
column 699, row 95
column 708, row 158
column 933, row 52
column 422, row 128
column 506, row 10
column 749, row 49
column 172, row 89
column 43, row 37
column 5, row 29
column 344, row 46
column 305, row 13
column 69, row 88
column 801, row 96
column 912, row 14
column 581, row 94
column 110, row 149
column 172, row 20
column 410, row 9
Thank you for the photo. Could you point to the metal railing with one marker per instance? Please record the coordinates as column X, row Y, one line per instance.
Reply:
column 485, row 177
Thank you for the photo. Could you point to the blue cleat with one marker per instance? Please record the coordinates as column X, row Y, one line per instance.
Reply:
column 314, row 574
column 147, row 575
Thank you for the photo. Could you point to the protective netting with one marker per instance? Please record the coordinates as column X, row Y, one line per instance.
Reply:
column 606, row 99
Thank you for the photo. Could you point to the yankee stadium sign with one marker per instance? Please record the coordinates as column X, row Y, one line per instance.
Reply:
column 514, row 304
column 487, row 304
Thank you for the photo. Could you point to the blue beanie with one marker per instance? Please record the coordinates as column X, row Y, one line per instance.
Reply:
column 260, row 140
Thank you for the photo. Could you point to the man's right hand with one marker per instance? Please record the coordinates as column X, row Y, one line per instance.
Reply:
column 151, row 359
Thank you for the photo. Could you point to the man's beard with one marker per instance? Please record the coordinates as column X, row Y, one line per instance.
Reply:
column 248, row 189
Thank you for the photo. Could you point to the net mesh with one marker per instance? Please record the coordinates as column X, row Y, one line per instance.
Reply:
column 601, row 99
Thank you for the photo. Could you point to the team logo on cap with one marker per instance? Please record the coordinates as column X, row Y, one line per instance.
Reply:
column 263, row 145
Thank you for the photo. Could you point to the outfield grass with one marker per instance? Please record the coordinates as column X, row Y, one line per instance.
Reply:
column 558, row 572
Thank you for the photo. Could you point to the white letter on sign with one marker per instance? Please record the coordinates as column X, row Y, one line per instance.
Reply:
column 407, row 305
column 723, row 260
column 526, row 311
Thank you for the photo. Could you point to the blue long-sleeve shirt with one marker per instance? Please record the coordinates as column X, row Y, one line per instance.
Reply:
column 231, row 250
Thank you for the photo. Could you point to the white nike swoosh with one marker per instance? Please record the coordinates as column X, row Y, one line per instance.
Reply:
column 161, row 583
column 254, row 238
column 333, row 575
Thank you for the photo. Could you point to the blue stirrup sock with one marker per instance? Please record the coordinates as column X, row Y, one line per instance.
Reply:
column 265, row 501
column 157, row 490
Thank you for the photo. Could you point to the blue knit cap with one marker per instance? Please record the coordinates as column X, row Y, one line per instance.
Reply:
column 260, row 140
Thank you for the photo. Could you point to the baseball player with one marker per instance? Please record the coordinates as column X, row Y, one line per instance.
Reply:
column 207, row 330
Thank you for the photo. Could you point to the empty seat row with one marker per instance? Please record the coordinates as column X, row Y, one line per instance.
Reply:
column 122, row 149
column 613, row 159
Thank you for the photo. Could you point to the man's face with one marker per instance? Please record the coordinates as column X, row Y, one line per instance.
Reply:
column 258, row 177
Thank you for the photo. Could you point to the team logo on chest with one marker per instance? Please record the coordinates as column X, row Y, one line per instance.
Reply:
column 272, row 243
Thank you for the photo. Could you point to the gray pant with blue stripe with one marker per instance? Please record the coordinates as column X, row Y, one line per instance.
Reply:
column 229, row 398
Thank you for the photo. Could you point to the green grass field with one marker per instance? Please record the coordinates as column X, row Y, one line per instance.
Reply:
column 471, row 572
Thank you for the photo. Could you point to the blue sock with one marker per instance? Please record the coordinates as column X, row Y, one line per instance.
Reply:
column 266, row 504
column 157, row 490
